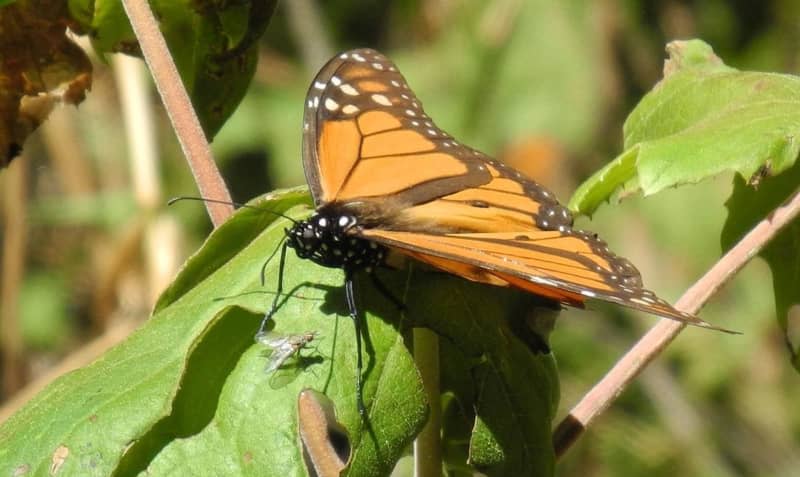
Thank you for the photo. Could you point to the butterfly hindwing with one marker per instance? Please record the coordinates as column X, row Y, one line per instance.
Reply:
column 549, row 264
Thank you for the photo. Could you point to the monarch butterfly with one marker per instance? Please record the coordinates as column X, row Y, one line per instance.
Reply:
column 384, row 177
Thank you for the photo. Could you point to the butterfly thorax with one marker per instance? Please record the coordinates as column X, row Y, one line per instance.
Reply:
column 327, row 240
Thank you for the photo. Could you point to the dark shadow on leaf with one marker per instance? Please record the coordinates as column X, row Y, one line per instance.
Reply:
column 209, row 364
column 290, row 371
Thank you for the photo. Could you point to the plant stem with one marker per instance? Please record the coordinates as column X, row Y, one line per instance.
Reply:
column 428, row 444
column 600, row 397
column 179, row 109
column 14, row 223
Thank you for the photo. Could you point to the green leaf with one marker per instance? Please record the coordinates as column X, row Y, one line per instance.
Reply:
column 749, row 205
column 702, row 119
column 187, row 392
column 214, row 45
column 192, row 376
column 494, row 366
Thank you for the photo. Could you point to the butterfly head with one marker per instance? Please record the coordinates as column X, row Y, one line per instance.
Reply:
column 328, row 240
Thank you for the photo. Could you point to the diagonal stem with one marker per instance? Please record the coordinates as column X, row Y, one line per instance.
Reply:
column 600, row 397
column 179, row 109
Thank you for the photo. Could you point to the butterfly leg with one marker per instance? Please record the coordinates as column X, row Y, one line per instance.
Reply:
column 262, row 329
column 381, row 287
column 351, row 306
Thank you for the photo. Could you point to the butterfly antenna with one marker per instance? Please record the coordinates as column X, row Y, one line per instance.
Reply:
column 228, row 202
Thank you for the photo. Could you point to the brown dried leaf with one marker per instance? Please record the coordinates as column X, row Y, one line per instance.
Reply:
column 39, row 68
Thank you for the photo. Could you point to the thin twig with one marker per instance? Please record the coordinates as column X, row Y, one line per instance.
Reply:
column 14, row 223
column 600, row 397
column 179, row 108
column 428, row 443
column 162, row 236
column 309, row 32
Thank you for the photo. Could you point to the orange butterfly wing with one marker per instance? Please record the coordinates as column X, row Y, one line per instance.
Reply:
column 366, row 138
column 370, row 150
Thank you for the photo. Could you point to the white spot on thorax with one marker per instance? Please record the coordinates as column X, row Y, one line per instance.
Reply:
column 343, row 221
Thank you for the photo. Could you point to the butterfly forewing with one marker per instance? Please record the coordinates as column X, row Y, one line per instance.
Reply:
column 371, row 151
column 367, row 136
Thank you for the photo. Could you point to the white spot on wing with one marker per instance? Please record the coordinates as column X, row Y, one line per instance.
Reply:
column 349, row 109
column 319, row 85
column 335, row 80
column 358, row 57
column 381, row 99
column 331, row 105
column 348, row 90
